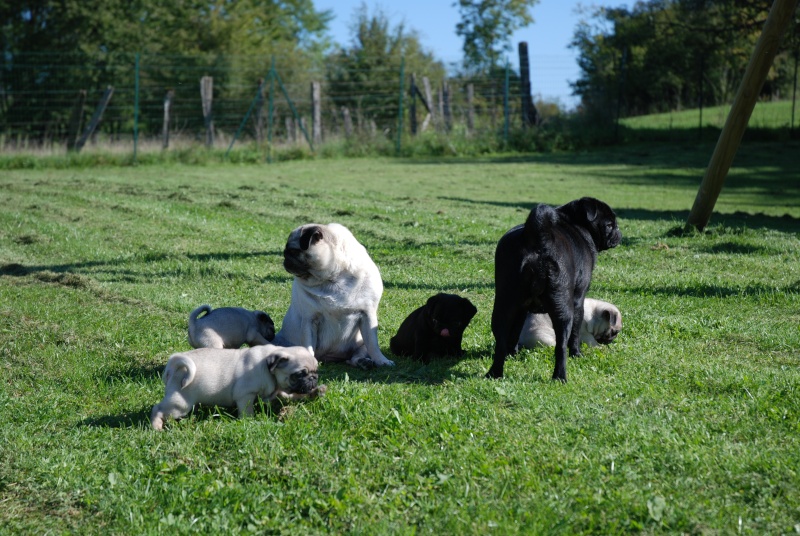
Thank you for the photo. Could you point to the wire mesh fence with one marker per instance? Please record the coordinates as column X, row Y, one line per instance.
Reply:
column 59, row 102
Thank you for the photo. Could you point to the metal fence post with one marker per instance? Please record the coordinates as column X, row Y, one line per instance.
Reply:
column 505, row 105
column 400, row 107
column 136, row 109
column 246, row 117
column 270, row 108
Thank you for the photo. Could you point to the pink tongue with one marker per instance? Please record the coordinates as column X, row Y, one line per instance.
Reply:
column 445, row 332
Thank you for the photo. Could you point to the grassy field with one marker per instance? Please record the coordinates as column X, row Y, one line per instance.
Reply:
column 765, row 115
column 770, row 121
column 688, row 423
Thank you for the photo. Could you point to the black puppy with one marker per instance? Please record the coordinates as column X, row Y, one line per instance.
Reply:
column 436, row 328
column 545, row 266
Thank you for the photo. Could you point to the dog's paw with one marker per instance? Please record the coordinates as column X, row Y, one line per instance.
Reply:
column 364, row 363
column 494, row 374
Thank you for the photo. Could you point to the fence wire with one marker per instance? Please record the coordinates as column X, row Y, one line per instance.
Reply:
column 46, row 98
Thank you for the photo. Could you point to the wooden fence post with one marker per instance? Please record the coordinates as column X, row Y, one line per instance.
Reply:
column 428, row 103
column 316, row 113
column 448, row 118
column 412, row 106
column 96, row 117
column 530, row 116
column 207, row 96
column 167, row 112
column 470, row 107
column 348, row 121
column 75, row 120
column 259, row 112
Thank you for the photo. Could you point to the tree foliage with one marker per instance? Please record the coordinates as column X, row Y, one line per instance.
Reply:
column 365, row 77
column 486, row 27
column 88, row 44
column 670, row 54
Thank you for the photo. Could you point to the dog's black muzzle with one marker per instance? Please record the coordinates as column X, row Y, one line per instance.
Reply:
column 303, row 382
column 292, row 264
column 608, row 337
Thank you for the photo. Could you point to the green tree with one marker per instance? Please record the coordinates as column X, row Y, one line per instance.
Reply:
column 88, row 44
column 486, row 27
column 364, row 77
column 669, row 54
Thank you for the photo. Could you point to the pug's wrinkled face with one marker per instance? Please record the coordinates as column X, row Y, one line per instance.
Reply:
column 598, row 218
column 295, row 369
column 449, row 315
column 309, row 252
column 609, row 326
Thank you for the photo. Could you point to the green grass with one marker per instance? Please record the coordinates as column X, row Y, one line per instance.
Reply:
column 688, row 423
column 770, row 121
column 765, row 115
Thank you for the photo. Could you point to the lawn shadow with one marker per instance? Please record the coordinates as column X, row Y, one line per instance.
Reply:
column 736, row 219
column 128, row 419
column 713, row 291
column 114, row 273
column 135, row 372
column 406, row 370
column 200, row 412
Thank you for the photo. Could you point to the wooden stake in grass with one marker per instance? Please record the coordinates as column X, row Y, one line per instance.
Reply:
column 207, row 96
column 95, row 120
column 731, row 136
column 75, row 120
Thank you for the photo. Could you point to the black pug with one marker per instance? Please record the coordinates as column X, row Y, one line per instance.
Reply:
column 436, row 328
column 545, row 266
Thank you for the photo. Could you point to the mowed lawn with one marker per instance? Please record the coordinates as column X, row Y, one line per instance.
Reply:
column 688, row 423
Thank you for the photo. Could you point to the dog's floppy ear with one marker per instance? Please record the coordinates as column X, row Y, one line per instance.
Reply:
column 432, row 300
column 430, row 307
column 310, row 236
column 472, row 310
column 590, row 206
column 264, row 318
column 275, row 360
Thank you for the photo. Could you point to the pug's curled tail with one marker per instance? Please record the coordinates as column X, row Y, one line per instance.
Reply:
column 175, row 365
column 192, row 319
column 194, row 314
column 539, row 225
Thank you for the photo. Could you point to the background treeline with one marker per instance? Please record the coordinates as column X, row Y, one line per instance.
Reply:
column 55, row 49
column 665, row 55
column 661, row 55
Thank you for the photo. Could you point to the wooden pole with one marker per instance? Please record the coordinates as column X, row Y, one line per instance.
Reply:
column 76, row 120
column 428, row 102
column 470, row 107
column 207, row 96
column 348, row 122
column 316, row 113
column 446, row 112
column 167, row 111
column 412, row 106
column 258, row 118
column 98, row 115
column 731, row 136
column 529, row 112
